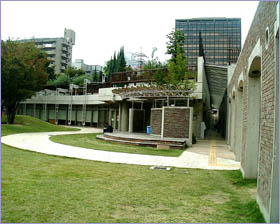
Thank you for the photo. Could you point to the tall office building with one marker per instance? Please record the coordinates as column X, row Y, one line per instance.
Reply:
column 217, row 39
column 59, row 49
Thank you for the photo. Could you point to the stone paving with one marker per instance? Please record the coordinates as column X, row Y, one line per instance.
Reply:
column 194, row 157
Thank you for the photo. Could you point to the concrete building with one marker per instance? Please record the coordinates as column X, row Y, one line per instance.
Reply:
column 93, row 105
column 253, row 99
column 220, row 39
column 59, row 49
column 89, row 69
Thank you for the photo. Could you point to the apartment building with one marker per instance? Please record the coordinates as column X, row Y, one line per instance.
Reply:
column 59, row 49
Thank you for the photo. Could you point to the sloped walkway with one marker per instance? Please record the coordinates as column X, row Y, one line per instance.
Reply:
column 190, row 158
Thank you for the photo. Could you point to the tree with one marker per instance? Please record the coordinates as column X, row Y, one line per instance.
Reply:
column 23, row 74
column 122, row 62
column 175, row 44
column 117, row 64
column 51, row 71
column 178, row 74
column 94, row 75
column 72, row 72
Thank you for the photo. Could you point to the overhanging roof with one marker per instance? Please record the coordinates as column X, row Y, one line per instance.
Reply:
column 217, row 82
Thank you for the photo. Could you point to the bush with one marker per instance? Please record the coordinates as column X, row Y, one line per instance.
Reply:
column 79, row 80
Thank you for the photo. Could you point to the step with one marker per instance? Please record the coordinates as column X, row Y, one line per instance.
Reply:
column 158, row 141
column 139, row 143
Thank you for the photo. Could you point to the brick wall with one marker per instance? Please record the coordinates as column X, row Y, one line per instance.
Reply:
column 176, row 122
column 156, row 117
column 264, row 17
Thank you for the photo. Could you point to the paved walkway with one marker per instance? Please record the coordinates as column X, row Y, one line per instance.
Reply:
column 195, row 157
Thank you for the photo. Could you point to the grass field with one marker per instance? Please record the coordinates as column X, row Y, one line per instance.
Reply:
column 40, row 188
column 89, row 141
column 29, row 124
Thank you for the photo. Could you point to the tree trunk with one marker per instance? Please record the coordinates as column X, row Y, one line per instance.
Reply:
column 11, row 113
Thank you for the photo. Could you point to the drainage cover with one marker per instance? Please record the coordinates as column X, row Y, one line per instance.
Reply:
column 160, row 168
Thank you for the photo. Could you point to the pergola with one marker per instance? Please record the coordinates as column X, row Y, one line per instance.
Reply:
column 154, row 93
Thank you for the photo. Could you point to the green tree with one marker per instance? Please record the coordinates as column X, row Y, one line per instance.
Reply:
column 62, row 81
column 94, row 75
column 117, row 64
column 178, row 74
column 51, row 71
column 72, row 72
column 23, row 73
column 79, row 80
column 175, row 44
column 122, row 62
column 100, row 76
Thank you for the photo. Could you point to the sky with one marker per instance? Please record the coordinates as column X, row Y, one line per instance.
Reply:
column 102, row 27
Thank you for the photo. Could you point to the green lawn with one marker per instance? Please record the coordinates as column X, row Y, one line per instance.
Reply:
column 89, row 141
column 25, row 123
column 38, row 188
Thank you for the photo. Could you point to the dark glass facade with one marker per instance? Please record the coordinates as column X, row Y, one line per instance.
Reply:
column 221, row 39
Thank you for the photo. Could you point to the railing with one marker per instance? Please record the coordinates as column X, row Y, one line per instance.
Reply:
column 134, row 75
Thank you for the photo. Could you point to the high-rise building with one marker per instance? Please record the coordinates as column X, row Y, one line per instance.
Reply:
column 59, row 49
column 217, row 39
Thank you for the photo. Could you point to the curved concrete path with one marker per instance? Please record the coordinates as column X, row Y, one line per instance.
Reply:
column 40, row 142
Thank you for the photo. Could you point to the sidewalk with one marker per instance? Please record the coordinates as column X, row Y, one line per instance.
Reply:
column 202, row 155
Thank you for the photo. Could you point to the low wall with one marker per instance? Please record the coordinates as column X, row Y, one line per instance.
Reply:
column 156, row 120
column 172, row 122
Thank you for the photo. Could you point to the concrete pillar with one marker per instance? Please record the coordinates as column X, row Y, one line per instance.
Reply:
column 250, row 166
column 66, row 111
column 115, row 119
column 91, row 117
column 76, row 114
column 110, row 117
column 232, row 124
column 124, row 116
column 131, row 117
column 40, row 112
column 34, row 110
column 119, row 125
column 239, row 126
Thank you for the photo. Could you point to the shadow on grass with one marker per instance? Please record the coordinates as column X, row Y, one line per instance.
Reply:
column 236, row 178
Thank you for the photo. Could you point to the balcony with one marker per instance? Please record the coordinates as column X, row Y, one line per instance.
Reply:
column 64, row 62
column 50, row 52
column 48, row 45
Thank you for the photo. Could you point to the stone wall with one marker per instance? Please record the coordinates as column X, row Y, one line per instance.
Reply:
column 265, row 17
column 156, row 118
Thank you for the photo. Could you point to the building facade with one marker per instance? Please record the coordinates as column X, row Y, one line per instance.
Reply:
column 59, row 49
column 253, row 98
column 89, row 69
column 220, row 39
